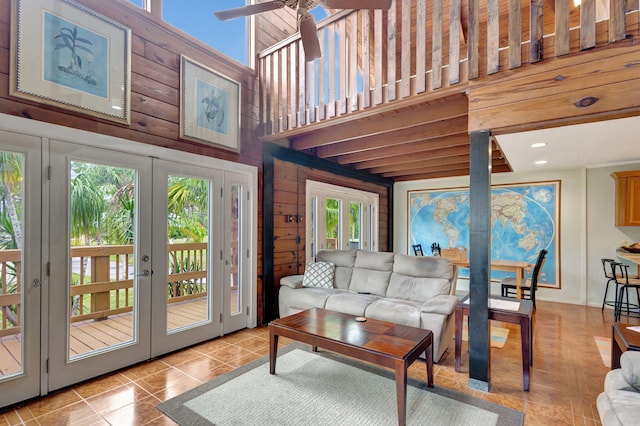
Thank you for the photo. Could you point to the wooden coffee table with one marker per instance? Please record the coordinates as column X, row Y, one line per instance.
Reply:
column 623, row 340
column 380, row 342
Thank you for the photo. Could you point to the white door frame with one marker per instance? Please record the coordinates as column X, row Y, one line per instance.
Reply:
column 27, row 384
column 44, row 131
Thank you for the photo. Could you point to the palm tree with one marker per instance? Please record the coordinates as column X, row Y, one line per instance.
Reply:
column 188, row 207
column 11, row 212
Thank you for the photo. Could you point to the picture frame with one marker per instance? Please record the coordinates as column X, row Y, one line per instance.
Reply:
column 525, row 218
column 209, row 106
column 67, row 55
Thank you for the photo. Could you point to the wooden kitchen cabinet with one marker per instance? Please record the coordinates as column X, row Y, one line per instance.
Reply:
column 627, row 198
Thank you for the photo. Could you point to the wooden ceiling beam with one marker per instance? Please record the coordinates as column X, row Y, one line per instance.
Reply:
column 438, row 154
column 399, row 119
column 448, row 173
column 423, row 161
column 437, row 130
column 401, row 149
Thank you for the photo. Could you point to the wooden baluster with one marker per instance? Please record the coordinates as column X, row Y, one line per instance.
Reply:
column 421, row 46
column 353, row 63
column 405, row 50
column 436, row 46
column 473, row 44
column 587, row 24
column 391, row 52
column 617, row 20
column 100, row 273
column 454, row 41
column 536, row 30
column 562, row 39
column 366, row 59
column 378, row 70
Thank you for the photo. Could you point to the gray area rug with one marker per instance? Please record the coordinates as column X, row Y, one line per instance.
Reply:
column 325, row 389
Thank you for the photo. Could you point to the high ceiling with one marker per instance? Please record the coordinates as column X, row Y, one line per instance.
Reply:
column 422, row 141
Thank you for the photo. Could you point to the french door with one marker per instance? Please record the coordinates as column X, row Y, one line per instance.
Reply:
column 99, row 294
column 20, row 267
column 111, row 256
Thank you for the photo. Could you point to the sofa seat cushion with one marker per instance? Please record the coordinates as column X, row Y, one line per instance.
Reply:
column 350, row 303
column 398, row 311
column 306, row 297
column 618, row 407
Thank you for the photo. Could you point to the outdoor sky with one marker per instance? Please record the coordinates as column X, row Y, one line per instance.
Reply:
column 196, row 18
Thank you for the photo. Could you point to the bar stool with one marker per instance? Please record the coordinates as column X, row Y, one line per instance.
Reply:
column 624, row 282
column 607, row 267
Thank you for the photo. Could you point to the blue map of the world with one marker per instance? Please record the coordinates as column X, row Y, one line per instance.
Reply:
column 523, row 222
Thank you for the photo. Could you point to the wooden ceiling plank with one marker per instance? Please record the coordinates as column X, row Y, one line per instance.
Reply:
column 401, row 149
column 414, row 156
column 437, row 130
column 432, row 163
column 357, row 128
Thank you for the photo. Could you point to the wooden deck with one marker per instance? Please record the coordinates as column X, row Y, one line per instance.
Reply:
column 92, row 335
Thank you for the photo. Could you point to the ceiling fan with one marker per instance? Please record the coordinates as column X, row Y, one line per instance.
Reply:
column 306, row 22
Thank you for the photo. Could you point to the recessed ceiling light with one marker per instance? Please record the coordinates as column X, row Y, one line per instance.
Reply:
column 538, row 144
column 540, row 162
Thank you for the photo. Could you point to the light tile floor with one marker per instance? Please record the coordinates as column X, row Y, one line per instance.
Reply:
column 567, row 376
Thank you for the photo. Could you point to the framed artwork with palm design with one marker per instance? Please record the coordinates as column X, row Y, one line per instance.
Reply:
column 67, row 55
column 209, row 106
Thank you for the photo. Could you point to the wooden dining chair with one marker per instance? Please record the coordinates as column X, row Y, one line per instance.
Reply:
column 509, row 287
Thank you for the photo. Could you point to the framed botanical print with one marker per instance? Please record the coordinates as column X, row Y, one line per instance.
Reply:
column 67, row 55
column 209, row 106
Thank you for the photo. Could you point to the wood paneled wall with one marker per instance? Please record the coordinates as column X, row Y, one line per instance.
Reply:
column 155, row 84
column 287, row 193
column 155, row 90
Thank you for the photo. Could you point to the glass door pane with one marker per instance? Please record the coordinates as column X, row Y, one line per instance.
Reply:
column 188, row 231
column 355, row 225
column 102, row 237
column 11, row 279
column 235, row 247
column 332, row 220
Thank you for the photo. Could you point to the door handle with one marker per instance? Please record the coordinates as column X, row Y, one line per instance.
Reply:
column 143, row 273
column 37, row 282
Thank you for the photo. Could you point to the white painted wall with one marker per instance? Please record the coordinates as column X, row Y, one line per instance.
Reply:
column 604, row 236
column 587, row 230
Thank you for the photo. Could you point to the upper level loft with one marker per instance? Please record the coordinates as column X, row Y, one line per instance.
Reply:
column 399, row 78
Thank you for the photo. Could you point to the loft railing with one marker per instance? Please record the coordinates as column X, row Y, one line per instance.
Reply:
column 371, row 58
column 102, row 281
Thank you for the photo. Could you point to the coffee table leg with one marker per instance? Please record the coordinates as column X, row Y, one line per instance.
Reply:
column 401, row 391
column 429, row 357
column 458, row 338
column 525, row 331
column 273, row 350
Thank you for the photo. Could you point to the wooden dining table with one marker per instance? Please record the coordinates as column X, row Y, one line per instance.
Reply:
column 518, row 267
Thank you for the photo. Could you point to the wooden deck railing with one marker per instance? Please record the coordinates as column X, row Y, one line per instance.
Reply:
column 377, row 57
column 102, row 281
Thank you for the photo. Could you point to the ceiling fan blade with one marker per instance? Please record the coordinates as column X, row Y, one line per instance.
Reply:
column 358, row 4
column 309, row 36
column 253, row 9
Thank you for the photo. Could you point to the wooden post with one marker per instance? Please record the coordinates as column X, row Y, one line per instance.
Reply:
column 479, row 260
column 100, row 273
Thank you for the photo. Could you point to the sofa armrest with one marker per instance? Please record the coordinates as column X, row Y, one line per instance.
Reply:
column 441, row 304
column 293, row 281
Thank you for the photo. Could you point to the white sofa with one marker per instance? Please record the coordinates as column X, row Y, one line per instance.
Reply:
column 408, row 290
column 619, row 404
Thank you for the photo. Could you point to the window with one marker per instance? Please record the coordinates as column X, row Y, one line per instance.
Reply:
column 340, row 218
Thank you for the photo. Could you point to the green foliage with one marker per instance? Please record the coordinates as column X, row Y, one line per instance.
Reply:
column 183, row 287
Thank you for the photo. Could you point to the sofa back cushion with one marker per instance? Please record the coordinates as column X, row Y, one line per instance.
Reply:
column 371, row 272
column 419, row 278
column 343, row 261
